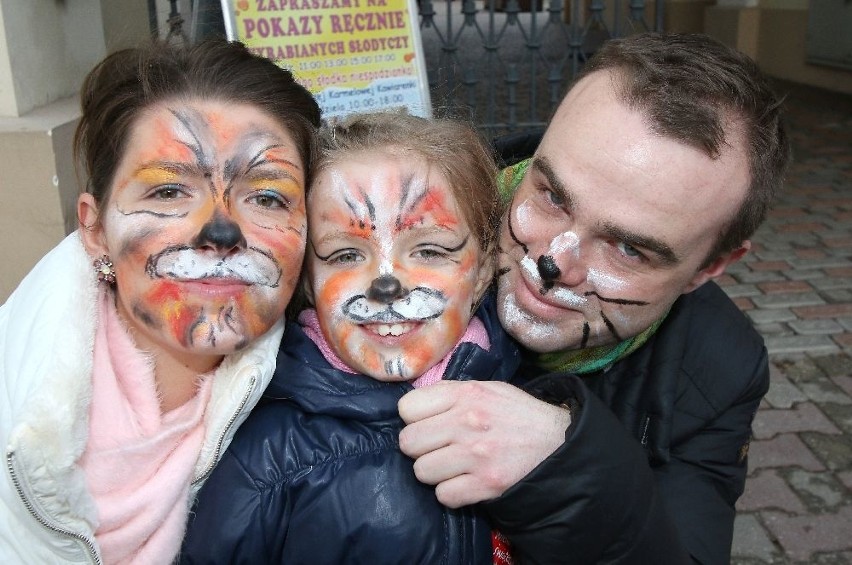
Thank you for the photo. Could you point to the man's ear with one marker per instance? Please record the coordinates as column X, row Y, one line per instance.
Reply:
column 718, row 266
column 91, row 228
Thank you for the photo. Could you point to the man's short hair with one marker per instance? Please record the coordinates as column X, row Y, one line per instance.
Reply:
column 695, row 90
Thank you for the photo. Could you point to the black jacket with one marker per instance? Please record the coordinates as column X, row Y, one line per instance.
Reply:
column 654, row 459
column 315, row 475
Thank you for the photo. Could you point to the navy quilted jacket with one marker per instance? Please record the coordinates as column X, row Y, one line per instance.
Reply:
column 315, row 474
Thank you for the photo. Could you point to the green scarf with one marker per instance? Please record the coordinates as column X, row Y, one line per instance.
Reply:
column 574, row 360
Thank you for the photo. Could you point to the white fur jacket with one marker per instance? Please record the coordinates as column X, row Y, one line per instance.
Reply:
column 47, row 330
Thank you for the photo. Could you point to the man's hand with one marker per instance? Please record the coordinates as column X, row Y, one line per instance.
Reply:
column 475, row 439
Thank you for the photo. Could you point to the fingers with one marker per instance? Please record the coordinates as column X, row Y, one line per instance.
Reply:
column 426, row 402
column 464, row 490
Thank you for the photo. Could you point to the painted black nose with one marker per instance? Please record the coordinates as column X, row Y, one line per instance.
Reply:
column 385, row 289
column 548, row 270
column 220, row 233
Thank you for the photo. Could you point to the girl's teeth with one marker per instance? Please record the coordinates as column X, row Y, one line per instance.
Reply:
column 395, row 330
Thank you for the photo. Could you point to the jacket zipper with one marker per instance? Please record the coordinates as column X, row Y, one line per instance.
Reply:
column 10, row 465
column 221, row 440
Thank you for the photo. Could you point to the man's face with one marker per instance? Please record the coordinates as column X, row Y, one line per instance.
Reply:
column 393, row 267
column 611, row 223
column 206, row 227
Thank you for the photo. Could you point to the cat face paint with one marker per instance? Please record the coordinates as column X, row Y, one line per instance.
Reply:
column 611, row 223
column 205, row 225
column 393, row 268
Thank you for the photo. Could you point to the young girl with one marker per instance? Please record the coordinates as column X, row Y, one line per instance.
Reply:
column 402, row 213
column 133, row 350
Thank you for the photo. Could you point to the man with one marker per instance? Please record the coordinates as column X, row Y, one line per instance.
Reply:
column 655, row 170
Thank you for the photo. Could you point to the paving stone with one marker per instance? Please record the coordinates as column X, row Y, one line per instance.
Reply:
column 776, row 329
column 803, row 417
column 839, row 272
column 776, row 287
column 822, row 263
column 845, row 477
column 823, row 311
column 744, row 304
column 824, row 391
column 831, row 283
column 804, row 369
column 751, row 540
column 788, row 300
column 782, row 451
column 759, row 276
column 840, row 414
column 741, row 290
column 771, row 316
column 843, row 340
column 767, row 489
column 784, row 394
column 802, row 536
column 817, row 326
column 807, row 275
column 837, row 295
column 846, row 322
column 817, row 344
column 834, row 451
column 842, row 381
column 769, row 265
column 820, row 491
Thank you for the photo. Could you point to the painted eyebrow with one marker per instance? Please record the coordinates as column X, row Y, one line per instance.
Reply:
column 172, row 167
column 259, row 159
column 341, row 235
column 659, row 248
column 542, row 165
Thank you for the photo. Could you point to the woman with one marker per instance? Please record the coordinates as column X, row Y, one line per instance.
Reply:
column 133, row 351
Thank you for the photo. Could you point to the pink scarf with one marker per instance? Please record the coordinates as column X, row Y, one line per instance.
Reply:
column 475, row 333
column 138, row 462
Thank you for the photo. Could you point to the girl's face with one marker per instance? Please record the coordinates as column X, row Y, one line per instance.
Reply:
column 205, row 225
column 393, row 268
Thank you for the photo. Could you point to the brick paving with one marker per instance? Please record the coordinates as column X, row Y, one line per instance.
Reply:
column 796, row 287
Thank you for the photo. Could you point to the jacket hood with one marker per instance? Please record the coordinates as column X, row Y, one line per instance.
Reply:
column 304, row 376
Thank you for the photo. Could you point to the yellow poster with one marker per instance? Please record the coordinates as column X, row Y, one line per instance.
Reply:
column 353, row 55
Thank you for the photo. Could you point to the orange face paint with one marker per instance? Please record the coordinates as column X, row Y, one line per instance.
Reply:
column 365, row 228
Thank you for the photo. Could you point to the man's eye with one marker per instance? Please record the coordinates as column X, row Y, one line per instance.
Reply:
column 555, row 198
column 628, row 250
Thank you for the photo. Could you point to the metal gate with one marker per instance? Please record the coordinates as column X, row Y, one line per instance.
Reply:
column 504, row 64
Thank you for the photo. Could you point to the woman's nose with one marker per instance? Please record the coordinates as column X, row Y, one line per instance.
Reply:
column 385, row 289
column 221, row 233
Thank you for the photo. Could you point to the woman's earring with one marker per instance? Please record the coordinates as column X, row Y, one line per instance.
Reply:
column 104, row 269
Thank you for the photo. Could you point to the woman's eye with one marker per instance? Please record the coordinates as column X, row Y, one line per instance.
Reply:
column 167, row 192
column 628, row 250
column 268, row 199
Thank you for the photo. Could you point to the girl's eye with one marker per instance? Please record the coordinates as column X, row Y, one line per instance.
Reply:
column 345, row 256
column 430, row 253
column 628, row 250
column 168, row 192
column 268, row 199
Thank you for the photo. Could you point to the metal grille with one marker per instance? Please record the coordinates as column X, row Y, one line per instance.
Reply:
column 504, row 64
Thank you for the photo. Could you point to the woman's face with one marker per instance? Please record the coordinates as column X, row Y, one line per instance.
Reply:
column 394, row 269
column 205, row 225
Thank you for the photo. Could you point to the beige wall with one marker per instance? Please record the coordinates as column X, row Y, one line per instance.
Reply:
column 46, row 48
column 774, row 33
column 37, row 187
